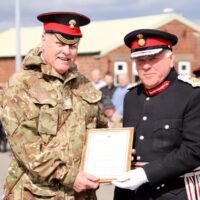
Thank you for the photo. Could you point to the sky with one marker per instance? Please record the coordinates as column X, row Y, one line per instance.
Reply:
column 95, row 9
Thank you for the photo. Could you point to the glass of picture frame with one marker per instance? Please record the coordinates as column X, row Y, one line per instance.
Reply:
column 107, row 152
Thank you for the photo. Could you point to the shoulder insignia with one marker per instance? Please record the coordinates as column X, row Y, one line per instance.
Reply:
column 134, row 85
column 195, row 82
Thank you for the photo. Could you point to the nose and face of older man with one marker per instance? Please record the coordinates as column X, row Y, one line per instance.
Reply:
column 59, row 55
column 153, row 69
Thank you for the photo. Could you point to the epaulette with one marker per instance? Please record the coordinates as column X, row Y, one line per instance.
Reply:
column 134, row 85
column 195, row 82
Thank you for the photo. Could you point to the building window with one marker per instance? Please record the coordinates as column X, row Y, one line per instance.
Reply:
column 184, row 68
column 120, row 67
column 135, row 76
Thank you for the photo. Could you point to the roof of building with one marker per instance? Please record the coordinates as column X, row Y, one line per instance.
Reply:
column 99, row 37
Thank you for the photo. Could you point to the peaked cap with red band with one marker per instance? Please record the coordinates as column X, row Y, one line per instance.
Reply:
column 144, row 42
column 65, row 25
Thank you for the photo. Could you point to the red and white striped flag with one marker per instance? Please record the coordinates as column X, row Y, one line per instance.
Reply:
column 192, row 184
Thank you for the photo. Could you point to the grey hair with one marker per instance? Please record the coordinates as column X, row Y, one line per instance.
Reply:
column 168, row 53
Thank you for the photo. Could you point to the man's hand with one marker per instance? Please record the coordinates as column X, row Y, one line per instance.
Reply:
column 131, row 179
column 85, row 181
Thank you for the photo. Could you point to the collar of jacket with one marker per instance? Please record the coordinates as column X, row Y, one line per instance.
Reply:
column 164, row 85
column 69, row 75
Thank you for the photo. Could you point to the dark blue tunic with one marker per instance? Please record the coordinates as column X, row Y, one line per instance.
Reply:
column 167, row 136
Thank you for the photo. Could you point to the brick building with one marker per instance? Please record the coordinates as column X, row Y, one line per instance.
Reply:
column 102, row 45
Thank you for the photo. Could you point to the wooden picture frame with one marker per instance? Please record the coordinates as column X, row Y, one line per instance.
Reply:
column 107, row 152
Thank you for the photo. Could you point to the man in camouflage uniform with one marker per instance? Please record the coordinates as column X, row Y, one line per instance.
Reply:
column 46, row 111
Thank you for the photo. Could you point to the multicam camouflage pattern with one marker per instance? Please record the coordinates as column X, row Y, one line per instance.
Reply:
column 46, row 116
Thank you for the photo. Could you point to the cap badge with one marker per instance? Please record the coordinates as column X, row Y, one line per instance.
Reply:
column 141, row 40
column 72, row 23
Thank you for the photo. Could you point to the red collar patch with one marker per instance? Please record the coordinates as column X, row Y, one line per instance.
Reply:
column 163, row 86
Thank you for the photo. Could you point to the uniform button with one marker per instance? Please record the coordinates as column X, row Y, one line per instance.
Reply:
column 141, row 137
column 167, row 126
column 144, row 118
column 162, row 185
column 138, row 158
column 148, row 98
column 158, row 188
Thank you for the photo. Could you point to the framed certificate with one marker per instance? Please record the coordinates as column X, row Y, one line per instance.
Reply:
column 107, row 152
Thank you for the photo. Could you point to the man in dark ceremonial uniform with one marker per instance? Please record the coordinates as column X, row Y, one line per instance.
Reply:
column 164, row 108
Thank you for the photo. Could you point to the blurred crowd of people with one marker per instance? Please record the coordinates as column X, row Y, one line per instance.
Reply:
column 112, row 95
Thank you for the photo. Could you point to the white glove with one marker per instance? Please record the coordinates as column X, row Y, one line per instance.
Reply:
column 131, row 179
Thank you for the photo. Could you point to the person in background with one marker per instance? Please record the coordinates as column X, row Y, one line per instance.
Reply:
column 109, row 88
column 164, row 108
column 114, row 118
column 3, row 139
column 119, row 94
column 46, row 111
column 96, row 77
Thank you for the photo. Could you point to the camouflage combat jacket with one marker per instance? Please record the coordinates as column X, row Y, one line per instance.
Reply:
column 46, row 116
